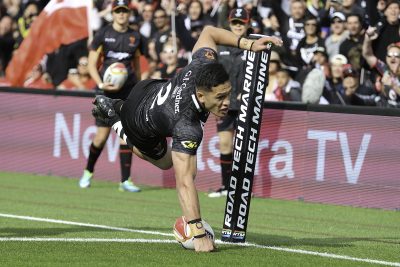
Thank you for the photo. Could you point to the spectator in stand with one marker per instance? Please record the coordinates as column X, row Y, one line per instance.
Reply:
column 388, row 84
column 338, row 34
column 79, row 78
column 376, row 10
column 351, row 7
column 208, row 7
column 274, row 66
column 333, row 91
column 6, row 42
column 38, row 79
column 12, row 7
column 309, row 44
column 271, row 25
column 388, row 29
column 146, row 25
column 351, row 48
column 287, row 89
column 160, row 37
column 195, row 19
column 223, row 12
column 354, row 93
column 169, row 63
column 294, row 25
column 30, row 13
column 319, row 61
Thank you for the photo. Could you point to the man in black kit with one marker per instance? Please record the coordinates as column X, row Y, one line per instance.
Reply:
column 115, row 43
column 178, row 108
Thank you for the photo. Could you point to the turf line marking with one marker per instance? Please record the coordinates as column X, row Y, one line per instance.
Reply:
column 29, row 218
column 86, row 240
column 298, row 251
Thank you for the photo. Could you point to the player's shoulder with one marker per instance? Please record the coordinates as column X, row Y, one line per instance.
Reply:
column 103, row 30
column 205, row 54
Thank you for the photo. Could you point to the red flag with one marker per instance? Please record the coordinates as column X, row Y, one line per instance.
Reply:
column 60, row 22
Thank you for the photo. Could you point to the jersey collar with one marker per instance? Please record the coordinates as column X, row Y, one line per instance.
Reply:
column 196, row 103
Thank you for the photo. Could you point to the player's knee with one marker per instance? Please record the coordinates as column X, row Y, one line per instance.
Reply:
column 99, row 141
column 165, row 165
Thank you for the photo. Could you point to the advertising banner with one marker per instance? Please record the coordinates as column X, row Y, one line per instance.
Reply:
column 337, row 158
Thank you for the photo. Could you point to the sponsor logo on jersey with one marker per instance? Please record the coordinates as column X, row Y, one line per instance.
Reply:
column 109, row 40
column 118, row 55
column 189, row 144
column 132, row 40
column 178, row 98
column 209, row 54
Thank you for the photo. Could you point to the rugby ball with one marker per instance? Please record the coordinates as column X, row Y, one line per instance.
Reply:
column 116, row 74
column 184, row 236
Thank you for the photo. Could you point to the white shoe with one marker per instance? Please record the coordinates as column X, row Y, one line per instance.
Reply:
column 219, row 193
column 84, row 182
column 128, row 186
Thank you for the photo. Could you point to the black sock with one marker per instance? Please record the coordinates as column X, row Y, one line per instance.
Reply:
column 125, row 156
column 93, row 156
column 226, row 169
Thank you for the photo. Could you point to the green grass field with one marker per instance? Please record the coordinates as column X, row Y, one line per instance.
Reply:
column 111, row 228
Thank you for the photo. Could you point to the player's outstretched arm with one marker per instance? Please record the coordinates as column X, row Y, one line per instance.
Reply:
column 185, row 167
column 212, row 36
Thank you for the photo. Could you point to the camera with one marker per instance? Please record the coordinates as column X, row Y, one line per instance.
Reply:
column 379, row 27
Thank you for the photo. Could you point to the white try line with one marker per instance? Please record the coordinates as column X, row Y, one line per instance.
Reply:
column 167, row 241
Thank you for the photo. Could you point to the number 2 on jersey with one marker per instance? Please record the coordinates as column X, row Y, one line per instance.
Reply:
column 161, row 97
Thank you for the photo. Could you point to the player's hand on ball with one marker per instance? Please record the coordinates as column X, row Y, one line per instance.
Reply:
column 203, row 244
column 110, row 87
column 262, row 43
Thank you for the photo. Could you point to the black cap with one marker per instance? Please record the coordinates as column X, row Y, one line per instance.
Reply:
column 322, row 50
column 120, row 4
column 239, row 14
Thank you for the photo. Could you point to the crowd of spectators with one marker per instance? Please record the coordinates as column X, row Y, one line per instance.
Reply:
column 352, row 47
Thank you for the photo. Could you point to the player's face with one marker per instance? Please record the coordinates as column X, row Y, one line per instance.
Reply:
column 216, row 101
column 121, row 16
column 393, row 59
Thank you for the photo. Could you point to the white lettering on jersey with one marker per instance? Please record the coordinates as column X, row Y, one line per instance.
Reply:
column 160, row 98
column 178, row 98
column 118, row 55
column 109, row 40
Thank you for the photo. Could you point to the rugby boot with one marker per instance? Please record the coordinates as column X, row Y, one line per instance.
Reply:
column 219, row 193
column 128, row 186
column 84, row 182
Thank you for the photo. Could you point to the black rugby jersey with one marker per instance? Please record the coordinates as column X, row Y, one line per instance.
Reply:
column 171, row 109
column 118, row 47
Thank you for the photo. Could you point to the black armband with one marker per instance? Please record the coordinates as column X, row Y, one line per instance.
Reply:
column 238, row 42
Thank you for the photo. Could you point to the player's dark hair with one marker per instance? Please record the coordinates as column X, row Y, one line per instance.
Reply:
column 211, row 75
